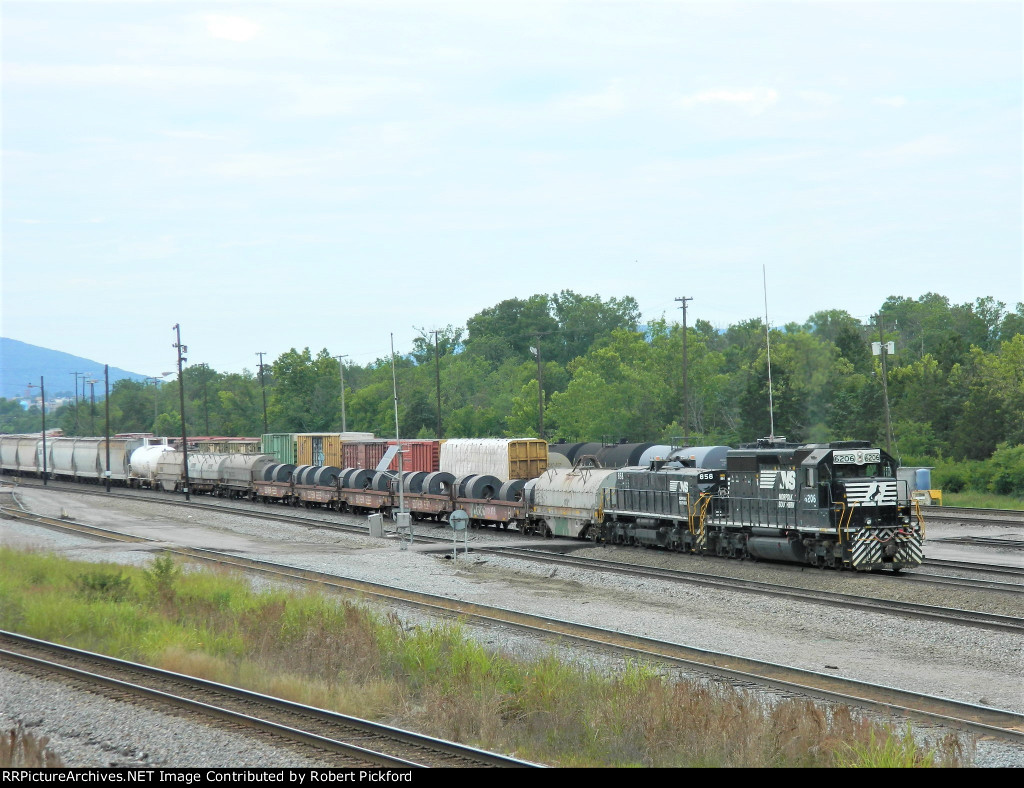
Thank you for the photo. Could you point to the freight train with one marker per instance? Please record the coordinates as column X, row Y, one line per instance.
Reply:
column 831, row 505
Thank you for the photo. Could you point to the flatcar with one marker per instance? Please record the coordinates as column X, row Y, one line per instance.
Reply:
column 830, row 505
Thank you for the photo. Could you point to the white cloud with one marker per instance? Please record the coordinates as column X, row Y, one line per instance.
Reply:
column 195, row 135
column 891, row 101
column 611, row 99
column 231, row 28
column 262, row 165
column 139, row 75
column 818, row 97
column 752, row 100
column 929, row 146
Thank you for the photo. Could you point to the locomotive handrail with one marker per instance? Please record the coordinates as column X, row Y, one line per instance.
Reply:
column 841, row 509
column 920, row 518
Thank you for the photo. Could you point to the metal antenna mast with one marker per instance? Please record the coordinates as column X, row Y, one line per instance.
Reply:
column 768, row 339
column 686, row 370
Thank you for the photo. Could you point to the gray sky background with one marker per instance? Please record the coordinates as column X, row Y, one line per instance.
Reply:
column 275, row 174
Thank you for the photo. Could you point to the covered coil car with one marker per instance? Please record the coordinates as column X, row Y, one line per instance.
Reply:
column 567, row 502
column 503, row 458
column 239, row 471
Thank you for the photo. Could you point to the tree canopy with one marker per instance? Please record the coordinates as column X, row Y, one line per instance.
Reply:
column 955, row 381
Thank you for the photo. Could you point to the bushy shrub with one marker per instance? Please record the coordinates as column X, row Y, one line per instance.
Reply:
column 1007, row 470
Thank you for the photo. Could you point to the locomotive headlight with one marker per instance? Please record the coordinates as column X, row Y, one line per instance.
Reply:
column 905, row 519
column 868, row 521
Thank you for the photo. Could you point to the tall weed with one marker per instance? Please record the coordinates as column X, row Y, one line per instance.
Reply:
column 336, row 653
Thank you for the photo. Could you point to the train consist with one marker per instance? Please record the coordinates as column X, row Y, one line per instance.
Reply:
column 834, row 505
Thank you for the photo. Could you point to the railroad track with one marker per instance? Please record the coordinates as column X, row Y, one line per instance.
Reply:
column 971, row 566
column 847, row 601
column 983, row 541
column 342, row 740
column 972, row 516
column 984, row 720
column 906, row 609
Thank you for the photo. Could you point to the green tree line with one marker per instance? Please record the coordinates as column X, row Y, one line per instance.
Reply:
column 955, row 381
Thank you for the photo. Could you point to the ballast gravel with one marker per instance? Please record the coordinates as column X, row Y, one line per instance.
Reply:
column 967, row 663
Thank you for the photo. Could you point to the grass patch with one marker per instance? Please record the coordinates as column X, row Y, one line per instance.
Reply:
column 336, row 653
column 19, row 748
column 981, row 500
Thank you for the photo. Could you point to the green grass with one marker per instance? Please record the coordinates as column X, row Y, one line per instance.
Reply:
column 336, row 653
column 981, row 500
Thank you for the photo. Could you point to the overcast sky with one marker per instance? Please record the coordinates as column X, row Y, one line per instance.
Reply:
column 279, row 174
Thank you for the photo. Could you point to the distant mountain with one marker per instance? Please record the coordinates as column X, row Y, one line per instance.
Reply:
column 21, row 363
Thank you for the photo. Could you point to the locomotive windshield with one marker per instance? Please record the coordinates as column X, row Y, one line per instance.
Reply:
column 862, row 464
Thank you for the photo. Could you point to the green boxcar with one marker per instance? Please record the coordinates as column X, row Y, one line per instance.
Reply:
column 280, row 445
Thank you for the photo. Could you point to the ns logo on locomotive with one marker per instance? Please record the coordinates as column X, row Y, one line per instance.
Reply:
column 837, row 505
column 834, row 505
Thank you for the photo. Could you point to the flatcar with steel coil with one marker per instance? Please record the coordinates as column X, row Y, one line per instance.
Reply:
column 830, row 505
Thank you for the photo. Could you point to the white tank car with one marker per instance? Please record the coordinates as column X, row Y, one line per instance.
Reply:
column 144, row 461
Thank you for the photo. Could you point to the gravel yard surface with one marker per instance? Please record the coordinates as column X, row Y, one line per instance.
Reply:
column 969, row 664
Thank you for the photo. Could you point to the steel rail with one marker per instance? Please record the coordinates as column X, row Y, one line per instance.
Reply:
column 895, row 607
column 431, row 751
column 963, row 514
column 971, row 566
column 985, row 720
column 832, row 598
column 360, row 755
column 354, row 526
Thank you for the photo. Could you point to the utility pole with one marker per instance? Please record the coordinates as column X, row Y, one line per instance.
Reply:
column 686, row 393
column 181, row 393
column 106, row 405
column 540, row 384
column 883, row 351
column 42, row 408
column 206, row 404
column 341, row 371
column 263, row 386
column 92, row 405
column 76, row 374
column 437, row 371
